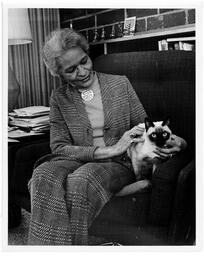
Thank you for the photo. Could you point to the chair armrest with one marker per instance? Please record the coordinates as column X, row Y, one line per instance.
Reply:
column 182, row 228
column 164, row 183
column 25, row 158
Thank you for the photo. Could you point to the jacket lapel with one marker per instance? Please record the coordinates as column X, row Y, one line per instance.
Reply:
column 77, row 118
column 106, row 99
column 80, row 108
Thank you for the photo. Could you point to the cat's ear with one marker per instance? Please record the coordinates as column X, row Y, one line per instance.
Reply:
column 166, row 122
column 148, row 123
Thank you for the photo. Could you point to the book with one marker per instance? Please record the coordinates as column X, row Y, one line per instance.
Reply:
column 186, row 46
column 30, row 111
column 163, row 45
column 27, row 122
column 176, row 44
column 20, row 134
column 12, row 140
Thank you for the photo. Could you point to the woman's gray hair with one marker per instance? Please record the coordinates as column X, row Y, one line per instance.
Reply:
column 58, row 42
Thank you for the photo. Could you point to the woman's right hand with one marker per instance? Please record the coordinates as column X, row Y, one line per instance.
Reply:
column 131, row 136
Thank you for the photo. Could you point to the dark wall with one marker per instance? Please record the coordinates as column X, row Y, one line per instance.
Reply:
column 87, row 21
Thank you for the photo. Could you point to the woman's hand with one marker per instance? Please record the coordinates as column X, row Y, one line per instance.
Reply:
column 130, row 136
column 175, row 145
column 133, row 135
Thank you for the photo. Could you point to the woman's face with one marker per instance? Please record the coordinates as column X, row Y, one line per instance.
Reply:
column 77, row 68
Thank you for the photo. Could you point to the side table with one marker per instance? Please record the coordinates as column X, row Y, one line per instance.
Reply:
column 14, row 210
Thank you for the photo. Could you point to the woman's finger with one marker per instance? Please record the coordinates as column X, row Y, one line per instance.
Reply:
column 137, row 140
column 162, row 155
column 137, row 128
column 168, row 150
column 136, row 132
column 173, row 137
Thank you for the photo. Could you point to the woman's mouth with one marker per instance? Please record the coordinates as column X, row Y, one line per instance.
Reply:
column 85, row 79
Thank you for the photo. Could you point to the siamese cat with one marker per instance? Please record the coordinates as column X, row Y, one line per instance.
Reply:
column 142, row 155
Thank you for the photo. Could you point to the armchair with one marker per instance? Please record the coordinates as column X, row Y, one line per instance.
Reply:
column 164, row 214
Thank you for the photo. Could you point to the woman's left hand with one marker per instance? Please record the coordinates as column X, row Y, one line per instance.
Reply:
column 175, row 145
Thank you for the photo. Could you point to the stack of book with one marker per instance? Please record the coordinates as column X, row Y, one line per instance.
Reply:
column 183, row 43
column 34, row 118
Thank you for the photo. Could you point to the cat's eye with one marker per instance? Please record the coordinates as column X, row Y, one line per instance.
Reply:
column 165, row 134
column 154, row 135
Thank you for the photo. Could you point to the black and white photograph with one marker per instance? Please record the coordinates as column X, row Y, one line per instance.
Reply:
column 101, row 126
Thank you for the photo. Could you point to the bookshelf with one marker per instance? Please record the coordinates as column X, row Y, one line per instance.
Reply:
column 181, row 31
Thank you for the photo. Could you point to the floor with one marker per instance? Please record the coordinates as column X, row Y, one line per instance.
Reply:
column 19, row 235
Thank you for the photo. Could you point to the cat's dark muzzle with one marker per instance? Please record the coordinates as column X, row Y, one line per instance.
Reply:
column 160, row 144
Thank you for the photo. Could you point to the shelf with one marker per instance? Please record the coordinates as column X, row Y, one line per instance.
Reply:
column 191, row 38
column 149, row 34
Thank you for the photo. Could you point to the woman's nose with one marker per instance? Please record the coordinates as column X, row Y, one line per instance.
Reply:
column 81, row 70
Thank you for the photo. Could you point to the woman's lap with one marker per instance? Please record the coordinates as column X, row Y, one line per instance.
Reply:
column 112, row 175
column 65, row 190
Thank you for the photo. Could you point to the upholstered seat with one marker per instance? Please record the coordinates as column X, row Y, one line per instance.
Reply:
column 165, row 84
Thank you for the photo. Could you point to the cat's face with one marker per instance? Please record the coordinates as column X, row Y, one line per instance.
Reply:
column 158, row 132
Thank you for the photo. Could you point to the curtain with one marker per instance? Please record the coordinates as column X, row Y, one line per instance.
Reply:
column 36, row 83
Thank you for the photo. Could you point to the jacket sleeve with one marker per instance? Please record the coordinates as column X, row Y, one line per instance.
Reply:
column 137, row 111
column 60, row 139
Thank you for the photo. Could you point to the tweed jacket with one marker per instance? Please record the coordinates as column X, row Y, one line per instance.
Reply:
column 71, row 131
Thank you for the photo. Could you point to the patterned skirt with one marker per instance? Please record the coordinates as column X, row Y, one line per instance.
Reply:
column 67, row 195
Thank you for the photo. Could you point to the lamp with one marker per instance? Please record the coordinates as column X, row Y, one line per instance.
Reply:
column 18, row 33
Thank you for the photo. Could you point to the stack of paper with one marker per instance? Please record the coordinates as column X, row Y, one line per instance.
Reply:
column 32, row 111
column 18, row 133
column 35, row 118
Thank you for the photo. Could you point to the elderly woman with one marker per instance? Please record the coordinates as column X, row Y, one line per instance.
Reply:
column 93, row 117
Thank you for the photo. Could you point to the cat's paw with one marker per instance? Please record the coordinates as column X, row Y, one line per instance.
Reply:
column 134, row 187
column 143, row 184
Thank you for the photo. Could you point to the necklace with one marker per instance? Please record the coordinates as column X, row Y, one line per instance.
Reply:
column 87, row 95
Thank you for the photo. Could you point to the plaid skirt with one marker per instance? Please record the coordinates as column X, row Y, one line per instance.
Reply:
column 67, row 195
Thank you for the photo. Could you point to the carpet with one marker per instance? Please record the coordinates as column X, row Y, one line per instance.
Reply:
column 19, row 235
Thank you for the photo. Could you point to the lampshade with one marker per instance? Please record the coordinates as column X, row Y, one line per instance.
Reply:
column 18, row 33
column 18, row 26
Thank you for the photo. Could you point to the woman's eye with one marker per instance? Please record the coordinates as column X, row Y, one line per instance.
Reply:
column 84, row 60
column 70, row 70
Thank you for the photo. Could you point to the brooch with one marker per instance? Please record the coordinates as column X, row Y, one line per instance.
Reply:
column 87, row 95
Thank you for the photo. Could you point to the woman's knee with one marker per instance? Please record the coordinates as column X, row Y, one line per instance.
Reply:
column 88, row 183
column 111, row 176
column 88, row 173
column 54, row 170
column 43, row 170
column 40, row 177
column 91, row 176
